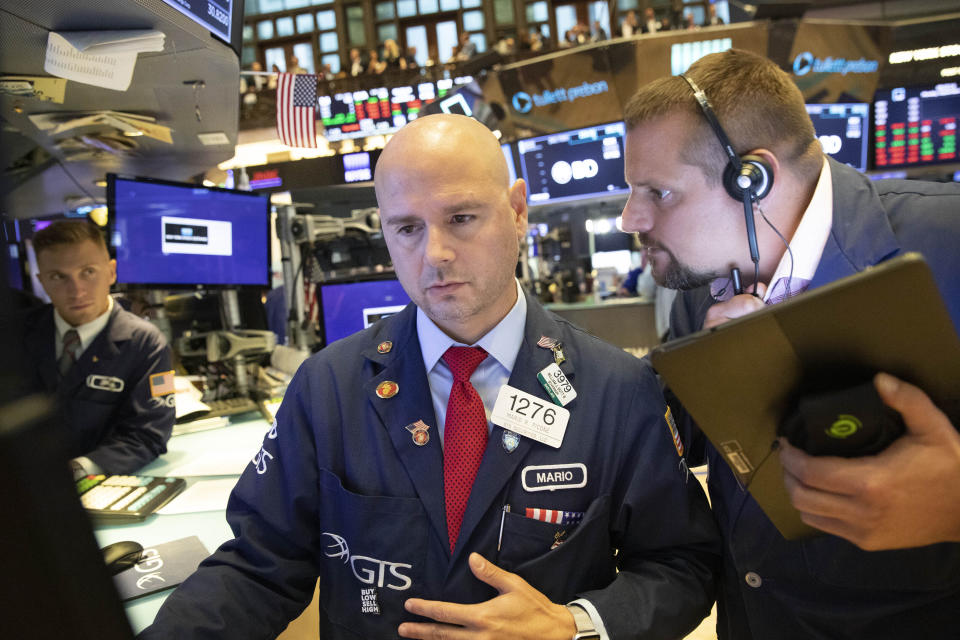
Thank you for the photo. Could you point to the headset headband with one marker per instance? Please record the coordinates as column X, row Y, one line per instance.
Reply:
column 714, row 123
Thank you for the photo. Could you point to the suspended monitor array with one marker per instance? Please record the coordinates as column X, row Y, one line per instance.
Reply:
column 916, row 125
column 570, row 165
column 172, row 234
column 381, row 110
column 842, row 129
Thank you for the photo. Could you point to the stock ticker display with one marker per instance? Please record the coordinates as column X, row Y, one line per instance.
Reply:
column 916, row 125
column 379, row 111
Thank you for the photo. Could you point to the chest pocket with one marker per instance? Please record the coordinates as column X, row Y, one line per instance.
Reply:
column 582, row 560
column 373, row 556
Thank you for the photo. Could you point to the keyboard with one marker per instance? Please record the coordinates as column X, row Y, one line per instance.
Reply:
column 230, row 407
column 126, row 498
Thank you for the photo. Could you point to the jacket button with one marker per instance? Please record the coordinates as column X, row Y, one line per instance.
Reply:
column 753, row 579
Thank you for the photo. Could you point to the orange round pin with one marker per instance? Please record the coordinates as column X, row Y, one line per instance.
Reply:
column 384, row 347
column 387, row 389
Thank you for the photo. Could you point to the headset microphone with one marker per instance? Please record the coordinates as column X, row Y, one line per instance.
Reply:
column 746, row 178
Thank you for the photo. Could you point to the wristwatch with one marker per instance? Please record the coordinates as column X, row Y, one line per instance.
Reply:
column 585, row 628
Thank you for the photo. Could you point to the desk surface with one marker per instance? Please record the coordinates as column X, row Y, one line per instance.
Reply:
column 230, row 447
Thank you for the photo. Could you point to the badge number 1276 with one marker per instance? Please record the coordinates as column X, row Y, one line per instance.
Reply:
column 530, row 416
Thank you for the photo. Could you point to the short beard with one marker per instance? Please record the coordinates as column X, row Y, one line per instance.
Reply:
column 679, row 276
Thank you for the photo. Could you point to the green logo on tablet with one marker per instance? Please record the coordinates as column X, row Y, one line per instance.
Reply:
column 844, row 426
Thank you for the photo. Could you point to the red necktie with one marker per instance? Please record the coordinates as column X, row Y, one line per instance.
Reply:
column 464, row 435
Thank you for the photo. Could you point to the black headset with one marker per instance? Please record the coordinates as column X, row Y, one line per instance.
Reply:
column 746, row 178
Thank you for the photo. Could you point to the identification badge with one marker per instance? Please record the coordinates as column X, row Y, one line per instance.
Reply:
column 530, row 416
column 556, row 384
column 105, row 383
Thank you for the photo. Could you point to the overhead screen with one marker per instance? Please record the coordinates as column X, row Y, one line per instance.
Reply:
column 177, row 234
column 570, row 165
column 916, row 125
column 379, row 111
column 842, row 129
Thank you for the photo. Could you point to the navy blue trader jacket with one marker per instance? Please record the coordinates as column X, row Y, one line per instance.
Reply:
column 106, row 399
column 341, row 490
column 825, row 587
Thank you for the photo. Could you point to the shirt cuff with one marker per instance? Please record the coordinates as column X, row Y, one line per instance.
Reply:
column 84, row 466
column 591, row 610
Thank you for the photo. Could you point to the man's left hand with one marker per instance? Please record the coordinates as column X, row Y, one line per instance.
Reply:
column 520, row 611
column 905, row 496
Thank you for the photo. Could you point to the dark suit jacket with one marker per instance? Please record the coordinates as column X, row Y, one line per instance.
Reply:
column 120, row 426
column 340, row 490
column 826, row 587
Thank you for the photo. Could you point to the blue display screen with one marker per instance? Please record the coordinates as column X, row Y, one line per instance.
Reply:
column 574, row 164
column 181, row 234
column 349, row 307
column 842, row 129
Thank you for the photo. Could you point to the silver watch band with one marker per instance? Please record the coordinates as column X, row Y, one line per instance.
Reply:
column 585, row 628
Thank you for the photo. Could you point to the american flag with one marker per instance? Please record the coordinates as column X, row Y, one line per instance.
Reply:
column 297, row 109
column 555, row 516
column 161, row 384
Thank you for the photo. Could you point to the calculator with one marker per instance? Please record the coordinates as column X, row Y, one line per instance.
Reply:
column 117, row 498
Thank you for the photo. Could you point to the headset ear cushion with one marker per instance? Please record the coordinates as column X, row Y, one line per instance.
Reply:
column 755, row 168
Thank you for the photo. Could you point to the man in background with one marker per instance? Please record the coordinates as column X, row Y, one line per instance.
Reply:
column 109, row 369
column 888, row 563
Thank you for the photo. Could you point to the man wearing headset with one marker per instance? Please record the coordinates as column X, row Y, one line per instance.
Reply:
column 888, row 565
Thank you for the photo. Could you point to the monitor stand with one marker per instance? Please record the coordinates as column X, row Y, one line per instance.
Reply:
column 231, row 314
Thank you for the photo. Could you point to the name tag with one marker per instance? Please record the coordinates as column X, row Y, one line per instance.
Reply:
column 105, row 383
column 530, row 416
column 556, row 384
column 550, row 477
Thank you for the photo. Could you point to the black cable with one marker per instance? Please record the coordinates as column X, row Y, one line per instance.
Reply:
column 786, row 244
column 69, row 175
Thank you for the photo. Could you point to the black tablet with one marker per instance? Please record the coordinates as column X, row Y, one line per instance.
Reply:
column 746, row 380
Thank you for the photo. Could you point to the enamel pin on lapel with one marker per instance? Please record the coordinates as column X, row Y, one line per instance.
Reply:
column 554, row 345
column 387, row 389
column 384, row 347
column 420, row 432
column 510, row 441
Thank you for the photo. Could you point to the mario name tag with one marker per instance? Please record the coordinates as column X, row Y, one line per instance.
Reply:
column 105, row 383
column 530, row 416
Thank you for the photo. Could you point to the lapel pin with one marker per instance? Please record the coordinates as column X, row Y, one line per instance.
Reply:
column 554, row 345
column 387, row 389
column 384, row 347
column 420, row 432
column 510, row 440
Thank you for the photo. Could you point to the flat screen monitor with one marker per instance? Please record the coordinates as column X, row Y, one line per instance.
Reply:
column 356, row 167
column 569, row 165
column 216, row 16
column 174, row 234
column 916, row 125
column 348, row 307
column 842, row 129
column 511, row 165
column 381, row 110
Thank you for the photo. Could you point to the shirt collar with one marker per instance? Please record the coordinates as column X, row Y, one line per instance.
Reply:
column 87, row 331
column 502, row 342
column 806, row 244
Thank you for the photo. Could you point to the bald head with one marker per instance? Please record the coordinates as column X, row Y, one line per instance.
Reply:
column 434, row 144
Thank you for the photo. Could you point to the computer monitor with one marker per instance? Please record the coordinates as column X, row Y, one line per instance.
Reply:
column 173, row 234
column 54, row 582
column 350, row 306
column 842, row 129
column 916, row 125
column 571, row 165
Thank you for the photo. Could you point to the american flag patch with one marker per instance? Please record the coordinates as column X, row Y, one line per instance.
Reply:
column 161, row 384
column 555, row 516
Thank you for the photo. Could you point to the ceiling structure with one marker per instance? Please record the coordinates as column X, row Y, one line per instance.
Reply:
column 191, row 86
